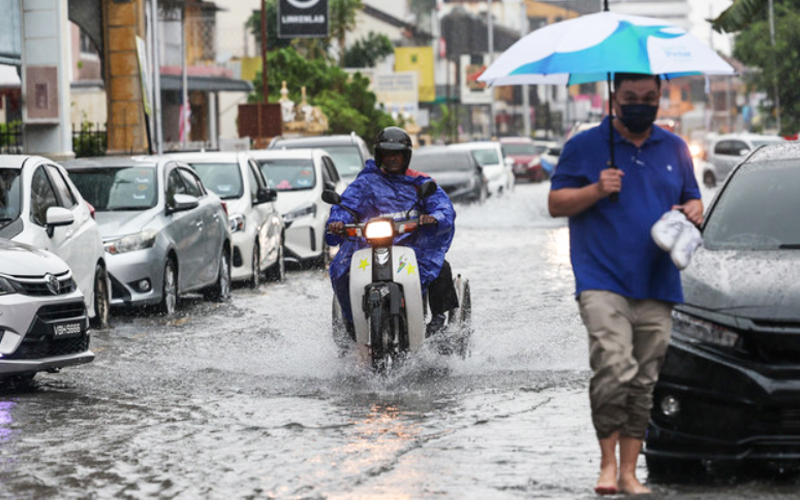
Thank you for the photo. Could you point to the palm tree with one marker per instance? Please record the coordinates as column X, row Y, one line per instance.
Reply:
column 739, row 15
column 343, row 19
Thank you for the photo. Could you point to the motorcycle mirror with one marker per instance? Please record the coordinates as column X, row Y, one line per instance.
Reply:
column 427, row 189
column 331, row 197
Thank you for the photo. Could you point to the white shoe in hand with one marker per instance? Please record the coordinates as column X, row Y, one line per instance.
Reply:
column 666, row 230
column 688, row 242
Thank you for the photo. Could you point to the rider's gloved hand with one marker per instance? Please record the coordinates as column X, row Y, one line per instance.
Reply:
column 336, row 227
column 426, row 219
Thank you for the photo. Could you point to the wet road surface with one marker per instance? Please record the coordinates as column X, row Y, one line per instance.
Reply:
column 249, row 399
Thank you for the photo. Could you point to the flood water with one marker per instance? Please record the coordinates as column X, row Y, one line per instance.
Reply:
column 249, row 399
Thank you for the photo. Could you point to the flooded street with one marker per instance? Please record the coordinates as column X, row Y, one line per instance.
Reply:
column 249, row 399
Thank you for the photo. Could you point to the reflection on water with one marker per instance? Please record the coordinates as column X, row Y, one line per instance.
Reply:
column 6, row 419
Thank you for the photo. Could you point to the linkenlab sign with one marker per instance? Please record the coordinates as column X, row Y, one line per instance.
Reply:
column 302, row 18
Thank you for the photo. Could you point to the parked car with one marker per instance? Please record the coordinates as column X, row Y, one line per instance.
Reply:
column 727, row 150
column 40, row 206
column 256, row 224
column 300, row 176
column 526, row 159
column 499, row 174
column 456, row 171
column 349, row 152
column 549, row 151
column 43, row 325
column 729, row 389
column 164, row 234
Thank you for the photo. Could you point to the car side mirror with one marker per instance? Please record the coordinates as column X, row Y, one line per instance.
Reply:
column 330, row 186
column 182, row 202
column 427, row 189
column 331, row 197
column 57, row 216
column 266, row 195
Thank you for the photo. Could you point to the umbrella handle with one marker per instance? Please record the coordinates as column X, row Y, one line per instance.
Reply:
column 613, row 197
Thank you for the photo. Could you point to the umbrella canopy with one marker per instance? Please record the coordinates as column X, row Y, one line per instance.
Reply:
column 593, row 47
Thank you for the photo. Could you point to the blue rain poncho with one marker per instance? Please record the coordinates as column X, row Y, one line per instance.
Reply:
column 375, row 193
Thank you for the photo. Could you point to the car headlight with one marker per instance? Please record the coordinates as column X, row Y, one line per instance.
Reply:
column 236, row 222
column 139, row 241
column 378, row 230
column 703, row 331
column 6, row 286
column 304, row 211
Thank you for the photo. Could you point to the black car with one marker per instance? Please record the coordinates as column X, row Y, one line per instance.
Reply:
column 456, row 171
column 349, row 152
column 729, row 390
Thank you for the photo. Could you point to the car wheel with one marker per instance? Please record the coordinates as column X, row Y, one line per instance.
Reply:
column 102, row 306
column 277, row 272
column 255, row 281
column 709, row 179
column 169, row 289
column 221, row 290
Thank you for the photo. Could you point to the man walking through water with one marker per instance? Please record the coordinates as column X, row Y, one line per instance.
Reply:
column 625, row 284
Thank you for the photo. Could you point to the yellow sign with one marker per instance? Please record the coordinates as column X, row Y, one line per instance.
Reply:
column 419, row 59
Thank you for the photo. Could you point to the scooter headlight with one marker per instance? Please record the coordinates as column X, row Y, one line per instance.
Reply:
column 379, row 230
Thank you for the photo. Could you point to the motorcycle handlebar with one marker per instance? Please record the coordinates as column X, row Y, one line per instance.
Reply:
column 405, row 226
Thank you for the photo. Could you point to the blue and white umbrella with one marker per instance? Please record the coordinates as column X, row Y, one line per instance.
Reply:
column 593, row 47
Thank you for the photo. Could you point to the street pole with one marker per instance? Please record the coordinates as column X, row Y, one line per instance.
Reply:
column 490, row 24
column 264, row 87
column 774, row 65
column 184, row 80
column 156, row 72
column 526, row 105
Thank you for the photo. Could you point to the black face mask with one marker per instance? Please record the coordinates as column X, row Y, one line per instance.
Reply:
column 638, row 117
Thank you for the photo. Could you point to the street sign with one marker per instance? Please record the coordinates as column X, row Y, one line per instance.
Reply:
column 302, row 18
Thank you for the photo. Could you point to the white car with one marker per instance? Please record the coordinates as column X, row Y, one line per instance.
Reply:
column 728, row 150
column 256, row 223
column 499, row 174
column 300, row 176
column 43, row 322
column 40, row 206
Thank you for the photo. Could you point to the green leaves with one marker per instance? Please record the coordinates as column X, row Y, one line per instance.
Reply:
column 739, row 15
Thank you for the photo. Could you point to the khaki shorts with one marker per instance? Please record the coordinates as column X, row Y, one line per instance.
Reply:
column 628, row 340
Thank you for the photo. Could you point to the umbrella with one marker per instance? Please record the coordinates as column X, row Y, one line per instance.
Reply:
column 596, row 46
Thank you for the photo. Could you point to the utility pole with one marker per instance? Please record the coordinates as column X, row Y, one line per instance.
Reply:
column 490, row 23
column 774, row 65
column 156, row 74
column 526, row 105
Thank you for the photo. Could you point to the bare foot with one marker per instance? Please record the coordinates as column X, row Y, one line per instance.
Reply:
column 632, row 486
column 607, row 482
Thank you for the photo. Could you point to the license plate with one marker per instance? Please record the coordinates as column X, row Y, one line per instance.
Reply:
column 66, row 330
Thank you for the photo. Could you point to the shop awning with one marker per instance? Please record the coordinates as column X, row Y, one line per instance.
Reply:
column 9, row 79
column 206, row 83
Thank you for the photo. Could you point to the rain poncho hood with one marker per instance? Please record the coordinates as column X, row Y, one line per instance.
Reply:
column 375, row 193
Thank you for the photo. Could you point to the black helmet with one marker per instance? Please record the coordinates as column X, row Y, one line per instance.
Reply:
column 392, row 139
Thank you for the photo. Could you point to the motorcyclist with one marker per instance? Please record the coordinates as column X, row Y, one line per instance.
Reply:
column 387, row 187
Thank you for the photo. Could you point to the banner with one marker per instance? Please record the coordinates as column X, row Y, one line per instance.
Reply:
column 302, row 18
column 420, row 60
column 473, row 91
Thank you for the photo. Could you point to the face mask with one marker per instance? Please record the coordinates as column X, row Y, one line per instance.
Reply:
column 638, row 117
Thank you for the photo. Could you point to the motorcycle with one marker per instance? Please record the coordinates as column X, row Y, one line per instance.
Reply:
column 390, row 322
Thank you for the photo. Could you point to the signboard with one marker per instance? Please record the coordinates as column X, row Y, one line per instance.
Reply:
column 302, row 18
column 473, row 91
column 398, row 92
column 419, row 60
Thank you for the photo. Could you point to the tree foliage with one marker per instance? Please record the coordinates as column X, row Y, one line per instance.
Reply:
column 343, row 20
column 254, row 25
column 366, row 52
column 345, row 99
column 778, row 64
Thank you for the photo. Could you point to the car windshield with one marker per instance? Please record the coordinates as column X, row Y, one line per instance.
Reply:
column 441, row 162
column 224, row 179
column 758, row 209
column 117, row 188
column 10, row 195
column 289, row 175
column 346, row 158
column 519, row 149
column 486, row 156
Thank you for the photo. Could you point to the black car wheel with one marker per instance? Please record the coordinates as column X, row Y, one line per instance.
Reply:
column 102, row 305
column 709, row 179
column 277, row 272
column 221, row 290
column 169, row 289
column 255, row 281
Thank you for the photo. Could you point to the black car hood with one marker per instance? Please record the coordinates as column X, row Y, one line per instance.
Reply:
column 762, row 284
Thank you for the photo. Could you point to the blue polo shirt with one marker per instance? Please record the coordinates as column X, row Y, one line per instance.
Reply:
column 610, row 244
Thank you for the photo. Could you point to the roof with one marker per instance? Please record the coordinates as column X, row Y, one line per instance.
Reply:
column 206, row 83
column 9, row 79
column 295, row 153
column 316, row 141
column 208, row 156
column 114, row 161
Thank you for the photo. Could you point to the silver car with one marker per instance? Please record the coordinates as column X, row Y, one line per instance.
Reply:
column 728, row 150
column 164, row 233
column 43, row 322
